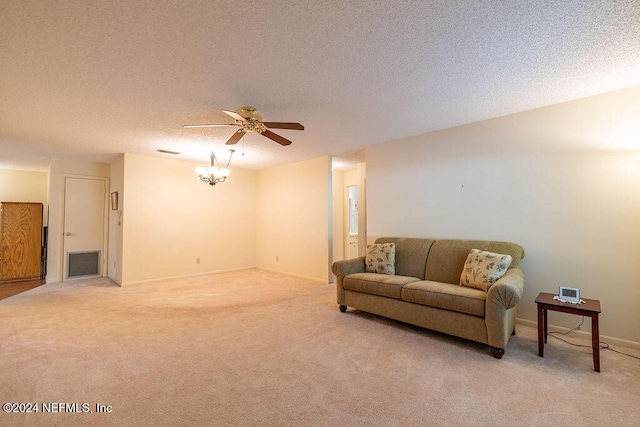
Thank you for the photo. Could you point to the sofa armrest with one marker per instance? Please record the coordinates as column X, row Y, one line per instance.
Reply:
column 348, row 266
column 507, row 290
column 500, row 314
column 344, row 268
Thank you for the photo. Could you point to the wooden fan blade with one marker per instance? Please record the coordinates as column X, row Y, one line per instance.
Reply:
column 277, row 138
column 280, row 125
column 211, row 125
column 235, row 137
column 235, row 115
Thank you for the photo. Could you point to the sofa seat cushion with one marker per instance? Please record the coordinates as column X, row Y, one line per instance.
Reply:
column 446, row 296
column 384, row 285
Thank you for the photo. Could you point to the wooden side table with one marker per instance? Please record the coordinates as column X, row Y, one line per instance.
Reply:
column 590, row 308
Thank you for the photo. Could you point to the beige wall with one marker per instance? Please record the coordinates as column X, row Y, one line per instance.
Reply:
column 23, row 186
column 58, row 169
column 293, row 218
column 350, row 178
column 166, row 221
column 528, row 178
column 170, row 219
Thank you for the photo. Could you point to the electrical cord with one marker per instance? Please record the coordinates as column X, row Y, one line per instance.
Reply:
column 570, row 330
column 603, row 345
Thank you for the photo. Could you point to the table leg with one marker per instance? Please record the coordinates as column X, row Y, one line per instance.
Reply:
column 540, row 331
column 546, row 324
column 595, row 341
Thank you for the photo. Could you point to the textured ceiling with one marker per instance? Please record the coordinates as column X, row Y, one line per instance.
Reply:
column 88, row 79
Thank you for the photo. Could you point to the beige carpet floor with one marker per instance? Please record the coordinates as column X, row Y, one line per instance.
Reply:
column 258, row 348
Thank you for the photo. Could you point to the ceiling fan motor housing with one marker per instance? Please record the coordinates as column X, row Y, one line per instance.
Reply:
column 250, row 113
column 254, row 120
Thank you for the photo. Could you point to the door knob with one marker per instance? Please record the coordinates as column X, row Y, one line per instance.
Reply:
column 67, row 234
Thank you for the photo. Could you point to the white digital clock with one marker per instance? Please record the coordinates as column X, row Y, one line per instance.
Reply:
column 569, row 294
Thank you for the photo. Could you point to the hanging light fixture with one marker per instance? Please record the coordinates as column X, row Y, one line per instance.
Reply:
column 213, row 174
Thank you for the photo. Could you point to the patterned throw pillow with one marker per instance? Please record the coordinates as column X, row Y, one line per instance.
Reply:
column 381, row 258
column 482, row 269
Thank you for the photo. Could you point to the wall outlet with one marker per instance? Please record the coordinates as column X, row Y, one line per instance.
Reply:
column 197, row 260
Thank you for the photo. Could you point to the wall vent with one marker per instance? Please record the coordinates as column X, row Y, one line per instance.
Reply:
column 83, row 264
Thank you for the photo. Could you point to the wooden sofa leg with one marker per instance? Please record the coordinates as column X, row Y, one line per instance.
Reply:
column 343, row 308
column 497, row 352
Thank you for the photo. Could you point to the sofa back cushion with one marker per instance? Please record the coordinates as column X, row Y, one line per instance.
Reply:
column 446, row 257
column 411, row 255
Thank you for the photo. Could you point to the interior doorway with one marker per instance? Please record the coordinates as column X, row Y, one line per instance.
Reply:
column 84, row 227
column 348, row 198
column 351, row 237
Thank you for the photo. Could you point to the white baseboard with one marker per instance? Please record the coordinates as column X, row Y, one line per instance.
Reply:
column 583, row 334
column 223, row 271
column 158, row 279
column 316, row 279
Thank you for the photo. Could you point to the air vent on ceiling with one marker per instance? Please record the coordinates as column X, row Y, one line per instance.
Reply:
column 168, row 152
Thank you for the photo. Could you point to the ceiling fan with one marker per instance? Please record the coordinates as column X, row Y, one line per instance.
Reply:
column 248, row 120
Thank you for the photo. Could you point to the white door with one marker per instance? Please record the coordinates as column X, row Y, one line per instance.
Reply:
column 84, row 227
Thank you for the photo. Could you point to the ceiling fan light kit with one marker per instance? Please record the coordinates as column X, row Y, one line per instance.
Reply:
column 213, row 175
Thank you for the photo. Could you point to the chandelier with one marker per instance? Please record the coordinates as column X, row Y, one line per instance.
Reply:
column 213, row 174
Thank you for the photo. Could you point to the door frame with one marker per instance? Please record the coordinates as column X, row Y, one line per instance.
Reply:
column 105, row 229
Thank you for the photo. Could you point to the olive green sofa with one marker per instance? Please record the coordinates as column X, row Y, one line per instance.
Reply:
column 425, row 289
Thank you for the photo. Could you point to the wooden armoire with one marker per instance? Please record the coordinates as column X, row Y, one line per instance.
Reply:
column 20, row 241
